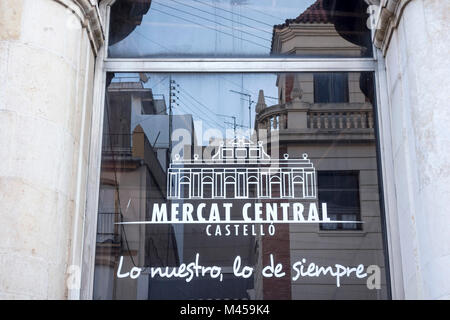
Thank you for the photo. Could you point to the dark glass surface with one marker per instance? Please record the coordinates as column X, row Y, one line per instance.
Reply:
column 340, row 190
column 238, row 28
column 310, row 154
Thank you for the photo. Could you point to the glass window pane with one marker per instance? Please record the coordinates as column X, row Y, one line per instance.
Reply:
column 330, row 87
column 340, row 190
column 185, row 184
column 238, row 28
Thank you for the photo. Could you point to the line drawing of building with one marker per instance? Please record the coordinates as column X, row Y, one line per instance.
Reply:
column 241, row 169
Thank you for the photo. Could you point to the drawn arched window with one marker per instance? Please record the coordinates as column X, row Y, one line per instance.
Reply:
column 173, row 185
column 230, row 187
column 264, row 185
column 252, row 186
column 207, row 187
column 185, row 187
column 287, row 192
column 275, row 186
column 297, row 187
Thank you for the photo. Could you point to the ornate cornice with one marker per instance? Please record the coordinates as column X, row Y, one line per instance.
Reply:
column 390, row 12
column 88, row 13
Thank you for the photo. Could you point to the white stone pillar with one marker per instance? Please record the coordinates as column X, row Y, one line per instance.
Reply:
column 297, row 114
column 415, row 40
column 47, row 55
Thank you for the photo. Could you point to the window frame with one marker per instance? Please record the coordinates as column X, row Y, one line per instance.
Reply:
column 104, row 64
column 331, row 88
column 339, row 226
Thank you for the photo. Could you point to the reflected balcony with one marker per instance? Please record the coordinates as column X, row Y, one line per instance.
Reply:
column 301, row 121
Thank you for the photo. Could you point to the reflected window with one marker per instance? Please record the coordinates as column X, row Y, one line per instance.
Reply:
column 107, row 230
column 330, row 87
column 340, row 190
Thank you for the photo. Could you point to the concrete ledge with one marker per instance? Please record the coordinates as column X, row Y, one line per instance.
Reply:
column 89, row 15
column 389, row 16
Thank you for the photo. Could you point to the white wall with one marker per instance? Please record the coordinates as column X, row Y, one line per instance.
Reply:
column 417, row 67
column 46, row 82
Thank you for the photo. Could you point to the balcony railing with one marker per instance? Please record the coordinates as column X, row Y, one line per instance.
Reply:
column 273, row 118
column 342, row 116
column 117, row 143
column 340, row 119
column 107, row 230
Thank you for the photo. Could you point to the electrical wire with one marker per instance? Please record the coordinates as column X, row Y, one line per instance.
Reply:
column 209, row 20
column 209, row 5
column 154, row 86
column 204, row 107
column 264, row 13
column 191, row 109
column 210, row 119
column 216, row 15
column 204, row 26
column 184, row 107
column 148, row 39
column 247, row 90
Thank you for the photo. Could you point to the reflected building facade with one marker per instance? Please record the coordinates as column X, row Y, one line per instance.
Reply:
column 61, row 203
column 238, row 168
column 133, row 177
column 329, row 116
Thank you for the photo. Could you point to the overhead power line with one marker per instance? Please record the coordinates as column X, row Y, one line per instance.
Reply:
column 245, row 17
column 153, row 41
column 243, row 89
column 203, row 26
column 233, row 124
column 264, row 13
column 222, row 17
column 209, row 20
column 190, row 109
column 204, row 107
column 177, row 98
column 199, row 113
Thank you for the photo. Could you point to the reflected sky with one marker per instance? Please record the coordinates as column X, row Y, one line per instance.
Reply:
column 208, row 27
column 212, row 99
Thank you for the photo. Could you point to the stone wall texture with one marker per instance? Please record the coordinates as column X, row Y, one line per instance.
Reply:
column 47, row 58
column 46, row 83
column 417, row 67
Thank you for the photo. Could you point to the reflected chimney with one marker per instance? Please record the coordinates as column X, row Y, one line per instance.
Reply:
column 261, row 105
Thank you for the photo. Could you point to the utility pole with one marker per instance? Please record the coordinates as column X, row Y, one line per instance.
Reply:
column 234, row 124
column 171, row 100
column 250, row 101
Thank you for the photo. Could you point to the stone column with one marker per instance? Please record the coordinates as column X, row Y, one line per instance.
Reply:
column 47, row 56
column 297, row 116
column 413, row 36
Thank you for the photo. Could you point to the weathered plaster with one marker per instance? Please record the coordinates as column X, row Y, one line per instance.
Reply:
column 416, row 70
column 47, row 56
column 390, row 13
column 10, row 20
column 88, row 13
